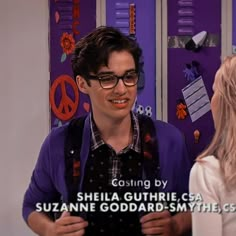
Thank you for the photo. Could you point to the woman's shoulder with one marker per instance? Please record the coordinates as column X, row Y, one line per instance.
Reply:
column 206, row 175
column 208, row 164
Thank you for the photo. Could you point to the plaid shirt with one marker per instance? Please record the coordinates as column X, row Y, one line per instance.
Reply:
column 114, row 158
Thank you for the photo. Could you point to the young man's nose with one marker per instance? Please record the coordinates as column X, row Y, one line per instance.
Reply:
column 120, row 87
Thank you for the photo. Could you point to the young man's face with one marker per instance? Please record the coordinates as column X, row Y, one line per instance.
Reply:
column 114, row 103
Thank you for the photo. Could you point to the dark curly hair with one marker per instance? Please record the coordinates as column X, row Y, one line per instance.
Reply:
column 93, row 51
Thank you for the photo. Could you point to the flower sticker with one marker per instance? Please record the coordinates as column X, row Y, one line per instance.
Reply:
column 181, row 111
column 67, row 44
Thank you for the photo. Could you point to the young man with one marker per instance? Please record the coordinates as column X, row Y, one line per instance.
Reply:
column 117, row 146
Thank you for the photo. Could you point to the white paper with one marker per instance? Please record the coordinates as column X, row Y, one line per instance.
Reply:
column 196, row 99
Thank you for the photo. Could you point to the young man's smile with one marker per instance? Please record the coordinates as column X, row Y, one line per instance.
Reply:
column 120, row 103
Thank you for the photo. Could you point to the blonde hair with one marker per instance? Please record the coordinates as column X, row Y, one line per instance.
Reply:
column 223, row 144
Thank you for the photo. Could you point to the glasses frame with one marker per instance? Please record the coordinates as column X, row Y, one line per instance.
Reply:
column 99, row 78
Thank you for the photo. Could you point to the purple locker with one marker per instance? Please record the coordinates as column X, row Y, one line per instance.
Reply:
column 186, row 19
column 137, row 18
column 69, row 21
column 234, row 26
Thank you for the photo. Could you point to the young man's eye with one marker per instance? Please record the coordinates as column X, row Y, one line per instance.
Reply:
column 107, row 78
column 131, row 76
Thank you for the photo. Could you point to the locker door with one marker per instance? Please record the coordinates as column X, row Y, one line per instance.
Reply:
column 137, row 18
column 187, row 18
column 69, row 21
column 234, row 26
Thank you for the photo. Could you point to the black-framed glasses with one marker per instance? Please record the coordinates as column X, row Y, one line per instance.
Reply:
column 109, row 81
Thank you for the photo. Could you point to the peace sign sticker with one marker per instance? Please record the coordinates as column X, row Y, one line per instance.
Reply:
column 67, row 106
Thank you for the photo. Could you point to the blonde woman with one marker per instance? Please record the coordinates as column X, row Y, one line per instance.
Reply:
column 214, row 173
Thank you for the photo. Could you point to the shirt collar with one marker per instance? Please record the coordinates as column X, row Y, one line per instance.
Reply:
column 97, row 141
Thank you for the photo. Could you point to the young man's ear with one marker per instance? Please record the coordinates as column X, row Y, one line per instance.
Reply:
column 82, row 84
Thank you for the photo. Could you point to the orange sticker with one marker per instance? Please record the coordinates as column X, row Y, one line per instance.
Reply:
column 132, row 19
column 67, row 106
